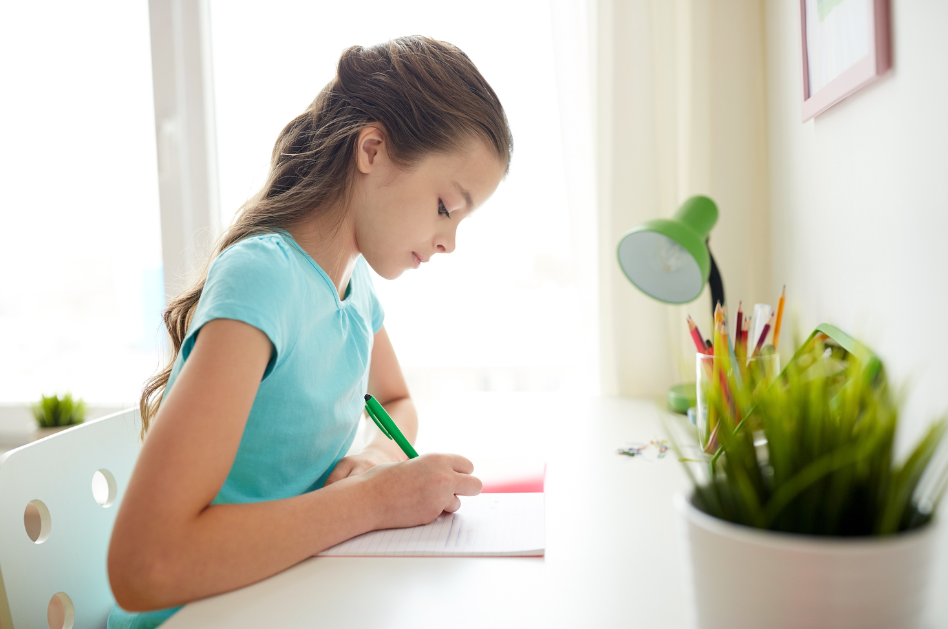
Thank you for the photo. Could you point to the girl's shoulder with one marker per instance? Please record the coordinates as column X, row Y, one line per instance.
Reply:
column 265, row 250
column 256, row 269
column 263, row 258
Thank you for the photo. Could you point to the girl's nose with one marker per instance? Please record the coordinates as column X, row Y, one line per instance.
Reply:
column 446, row 245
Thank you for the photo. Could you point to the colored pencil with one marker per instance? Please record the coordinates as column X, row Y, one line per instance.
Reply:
column 732, row 355
column 722, row 358
column 740, row 320
column 763, row 335
column 696, row 336
column 716, row 369
column 739, row 330
column 780, row 304
column 718, row 319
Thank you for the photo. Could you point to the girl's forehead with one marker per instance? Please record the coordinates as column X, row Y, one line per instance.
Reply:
column 473, row 164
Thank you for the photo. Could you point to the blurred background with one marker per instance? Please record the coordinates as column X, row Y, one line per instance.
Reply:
column 130, row 133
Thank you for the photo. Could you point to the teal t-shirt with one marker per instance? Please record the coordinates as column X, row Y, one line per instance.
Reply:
column 307, row 408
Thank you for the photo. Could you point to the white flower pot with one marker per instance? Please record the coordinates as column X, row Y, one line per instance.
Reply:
column 742, row 577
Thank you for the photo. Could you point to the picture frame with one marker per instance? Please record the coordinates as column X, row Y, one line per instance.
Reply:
column 846, row 45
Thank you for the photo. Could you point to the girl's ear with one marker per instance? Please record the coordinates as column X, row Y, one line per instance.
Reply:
column 370, row 146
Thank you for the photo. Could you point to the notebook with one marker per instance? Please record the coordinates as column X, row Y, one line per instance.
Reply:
column 488, row 525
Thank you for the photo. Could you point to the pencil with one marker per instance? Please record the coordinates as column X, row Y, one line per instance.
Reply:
column 740, row 319
column 722, row 358
column 696, row 336
column 763, row 335
column 732, row 357
column 727, row 330
column 783, row 300
column 739, row 329
column 716, row 371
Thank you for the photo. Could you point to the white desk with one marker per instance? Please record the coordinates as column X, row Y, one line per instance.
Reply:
column 612, row 554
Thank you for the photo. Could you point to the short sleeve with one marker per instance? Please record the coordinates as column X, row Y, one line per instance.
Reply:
column 376, row 314
column 251, row 281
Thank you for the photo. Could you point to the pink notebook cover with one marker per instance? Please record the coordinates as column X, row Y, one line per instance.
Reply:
column 510, row 476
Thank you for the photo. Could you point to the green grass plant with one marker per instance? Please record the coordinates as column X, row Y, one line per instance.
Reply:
column 54, row 411
column 828, row 465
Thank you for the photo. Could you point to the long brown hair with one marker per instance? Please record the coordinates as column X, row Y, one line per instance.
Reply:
column 427, row 97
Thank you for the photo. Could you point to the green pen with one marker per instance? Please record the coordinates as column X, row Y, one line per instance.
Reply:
column 387, row 425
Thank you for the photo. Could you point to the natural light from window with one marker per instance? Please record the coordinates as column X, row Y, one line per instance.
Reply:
column 80, row 266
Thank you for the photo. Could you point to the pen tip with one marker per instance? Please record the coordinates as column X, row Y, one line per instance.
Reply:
column 367, row 397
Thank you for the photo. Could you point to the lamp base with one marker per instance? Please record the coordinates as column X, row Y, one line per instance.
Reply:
column 681, row 397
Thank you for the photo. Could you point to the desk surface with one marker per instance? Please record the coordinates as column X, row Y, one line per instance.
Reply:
column 612, row 549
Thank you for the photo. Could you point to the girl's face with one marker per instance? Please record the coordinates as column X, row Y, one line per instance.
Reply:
column 402, row 219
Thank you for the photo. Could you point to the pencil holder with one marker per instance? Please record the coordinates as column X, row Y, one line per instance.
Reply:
column 763, row 368
column 757, row 371
column 704, row 365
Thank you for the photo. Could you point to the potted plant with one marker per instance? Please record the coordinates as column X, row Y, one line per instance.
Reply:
column 803, row 517
column 54, row 413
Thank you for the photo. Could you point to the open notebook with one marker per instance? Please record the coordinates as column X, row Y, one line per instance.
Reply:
column 488, row 525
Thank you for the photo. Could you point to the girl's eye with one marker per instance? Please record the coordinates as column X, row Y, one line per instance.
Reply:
column 443, row 210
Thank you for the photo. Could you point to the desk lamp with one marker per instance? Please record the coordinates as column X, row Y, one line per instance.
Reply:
column 669, row 260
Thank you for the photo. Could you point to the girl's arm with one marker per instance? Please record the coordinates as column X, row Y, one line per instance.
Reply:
column 170, row 545
column 387, row 385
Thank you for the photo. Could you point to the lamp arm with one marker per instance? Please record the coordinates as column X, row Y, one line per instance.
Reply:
column 715, row 283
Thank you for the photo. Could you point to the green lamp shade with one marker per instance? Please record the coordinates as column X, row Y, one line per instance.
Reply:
column 668, row 259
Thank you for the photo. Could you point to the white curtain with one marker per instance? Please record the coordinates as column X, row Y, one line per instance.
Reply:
column 573, row 30
column 661, row 100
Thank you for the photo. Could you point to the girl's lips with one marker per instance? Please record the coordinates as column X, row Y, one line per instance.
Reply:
column 416, row 259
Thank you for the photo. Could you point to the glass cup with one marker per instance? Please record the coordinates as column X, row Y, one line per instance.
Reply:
column 758, row 371
column 704, row 365
column 763, row 368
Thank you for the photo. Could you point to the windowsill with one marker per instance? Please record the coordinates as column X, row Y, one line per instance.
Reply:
column 17, row 424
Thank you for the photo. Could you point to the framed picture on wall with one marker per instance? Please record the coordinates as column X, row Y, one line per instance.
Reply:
column 846, row 46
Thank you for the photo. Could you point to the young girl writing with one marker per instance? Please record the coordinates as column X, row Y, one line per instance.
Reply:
column 244, row 472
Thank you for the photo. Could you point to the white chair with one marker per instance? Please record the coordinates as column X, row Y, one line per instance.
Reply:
column 58, row 500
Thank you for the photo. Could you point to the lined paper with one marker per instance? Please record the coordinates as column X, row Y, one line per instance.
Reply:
column 488, row 525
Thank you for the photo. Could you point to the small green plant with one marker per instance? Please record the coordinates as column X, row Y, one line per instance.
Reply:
column 54, row 411
column 827, row 467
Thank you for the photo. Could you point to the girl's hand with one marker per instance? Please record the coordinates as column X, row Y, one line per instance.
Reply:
column 361, row 462
column 417, row 491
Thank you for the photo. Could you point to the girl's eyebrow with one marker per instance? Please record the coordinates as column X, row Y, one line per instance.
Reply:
column 465, row 194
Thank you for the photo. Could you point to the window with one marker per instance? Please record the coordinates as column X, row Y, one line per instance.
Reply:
column 80, row 264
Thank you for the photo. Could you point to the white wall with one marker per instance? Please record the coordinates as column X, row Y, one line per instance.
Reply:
column 859, row 200
column 680, row 111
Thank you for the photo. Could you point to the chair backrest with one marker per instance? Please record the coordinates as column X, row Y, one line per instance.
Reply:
column 51, row 490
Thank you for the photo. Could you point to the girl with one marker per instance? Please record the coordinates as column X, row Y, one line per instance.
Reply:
column 242, row 474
